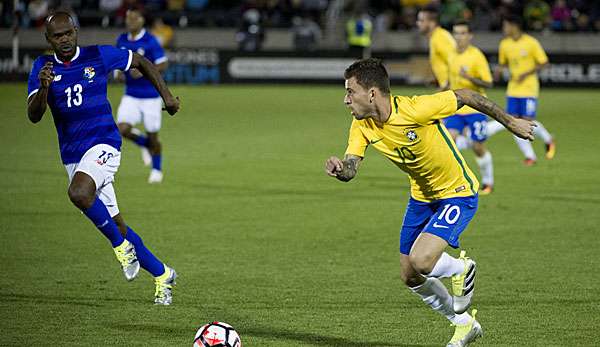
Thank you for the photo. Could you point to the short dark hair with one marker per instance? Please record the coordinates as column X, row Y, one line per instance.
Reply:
column 432, row 11
column 369, row 73
column 464, row 23
column 514, row 19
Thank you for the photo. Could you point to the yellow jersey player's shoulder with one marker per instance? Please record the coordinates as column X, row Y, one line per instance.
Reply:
column 423, row 109
column 442, row 38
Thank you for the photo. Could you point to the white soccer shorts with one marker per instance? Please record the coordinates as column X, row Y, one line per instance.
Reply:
column 137, row 110
column 101, row 163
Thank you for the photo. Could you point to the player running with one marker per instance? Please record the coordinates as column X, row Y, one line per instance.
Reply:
column 524, row 57
column 72, row 82
column 408, row 131
column 142, row 102
column 441, row 44
column 469, row 69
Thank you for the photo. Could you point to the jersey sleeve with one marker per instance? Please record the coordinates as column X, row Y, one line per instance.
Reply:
column 502, row 59
column 33, row 83
column 424, row 109
column 357, row 142
column 538, row 53
column 158, row 53
column 115, row 58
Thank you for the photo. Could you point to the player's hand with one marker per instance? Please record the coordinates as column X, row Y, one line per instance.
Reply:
column 522, row 77
column 333, row 166
column 521, row 127
column 172, row 105
column 135, row 73
column 46, row 75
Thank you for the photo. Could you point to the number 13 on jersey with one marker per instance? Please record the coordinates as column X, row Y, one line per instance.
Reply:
column 74, row 97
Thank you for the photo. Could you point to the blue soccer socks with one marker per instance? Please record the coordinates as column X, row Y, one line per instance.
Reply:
column 99, row 215
column 147, row 260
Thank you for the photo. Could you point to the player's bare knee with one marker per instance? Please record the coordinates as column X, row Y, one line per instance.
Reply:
column 422, row 263
column 124, row 129
column 80, row 197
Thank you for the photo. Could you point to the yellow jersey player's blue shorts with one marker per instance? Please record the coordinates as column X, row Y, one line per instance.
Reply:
column 446, row 218
column 521, row 107
column 475, row 121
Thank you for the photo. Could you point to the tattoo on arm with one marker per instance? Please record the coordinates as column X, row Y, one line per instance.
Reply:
column 349, row 168
column 482, row 104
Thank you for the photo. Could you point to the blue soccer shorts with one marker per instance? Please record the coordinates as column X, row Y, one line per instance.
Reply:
column 446, row 218
column 475, row 121
column 521, row 107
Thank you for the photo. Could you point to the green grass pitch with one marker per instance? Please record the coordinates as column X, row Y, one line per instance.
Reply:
column 264, row 240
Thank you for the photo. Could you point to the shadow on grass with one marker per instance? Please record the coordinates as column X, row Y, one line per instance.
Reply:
column 64, row 300
column 266, row 333
column 320, row 340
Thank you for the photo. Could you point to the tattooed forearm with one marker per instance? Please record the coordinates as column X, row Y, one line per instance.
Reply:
column 349, row 168
column 482, row 104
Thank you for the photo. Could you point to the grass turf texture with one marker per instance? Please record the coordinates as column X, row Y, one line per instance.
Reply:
column 264, row 240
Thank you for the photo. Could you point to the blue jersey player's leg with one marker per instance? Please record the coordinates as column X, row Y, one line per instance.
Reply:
column 82, row 192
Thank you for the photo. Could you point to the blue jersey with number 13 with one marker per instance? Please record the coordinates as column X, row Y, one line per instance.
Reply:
column 77, row 98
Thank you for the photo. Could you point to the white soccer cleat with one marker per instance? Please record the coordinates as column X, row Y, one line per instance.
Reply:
column 146, row 157
column 155, row 176
column 467, row 333
column 127, row 258
column 164, row 287
column 463, row 285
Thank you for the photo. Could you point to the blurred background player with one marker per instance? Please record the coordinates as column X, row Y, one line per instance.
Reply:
column 470, row 69
column 524, row 57
column 141, row 102
column 441, row 43
column 443, row 189
column 72, row 82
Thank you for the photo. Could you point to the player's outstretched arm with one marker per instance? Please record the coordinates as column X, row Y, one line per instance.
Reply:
column 343, row 170
column 153, row 75
column 523, row 128
column 37, row 103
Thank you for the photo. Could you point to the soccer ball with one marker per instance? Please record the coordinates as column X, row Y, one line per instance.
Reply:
column 217, row 334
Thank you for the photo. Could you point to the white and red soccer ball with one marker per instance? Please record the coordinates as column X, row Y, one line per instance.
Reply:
column 217, row 334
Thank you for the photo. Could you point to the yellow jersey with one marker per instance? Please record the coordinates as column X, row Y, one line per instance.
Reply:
column 418, row 143
column 476, row 65
column 441, row 45
column 522, row 55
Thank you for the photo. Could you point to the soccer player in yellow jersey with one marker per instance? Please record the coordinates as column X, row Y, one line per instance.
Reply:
column 524, row 57
column 469, row 69
column 409, row 132
column 441, row 43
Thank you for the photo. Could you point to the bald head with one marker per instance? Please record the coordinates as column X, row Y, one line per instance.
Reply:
column 59, row 19
column 61, row 34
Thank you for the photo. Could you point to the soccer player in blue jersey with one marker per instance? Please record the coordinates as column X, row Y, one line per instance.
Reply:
column 72, row 82
column 141, row 102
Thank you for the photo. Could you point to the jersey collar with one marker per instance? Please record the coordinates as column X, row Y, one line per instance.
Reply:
column 138, row 36
column 68, row 62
